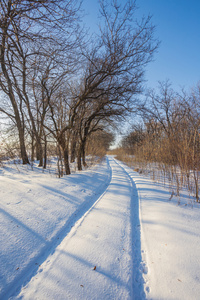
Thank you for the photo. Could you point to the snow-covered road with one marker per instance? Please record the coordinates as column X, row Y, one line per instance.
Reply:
column 94, row 261
column 104, row 233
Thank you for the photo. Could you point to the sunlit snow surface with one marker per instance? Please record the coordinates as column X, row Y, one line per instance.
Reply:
column 104, row 233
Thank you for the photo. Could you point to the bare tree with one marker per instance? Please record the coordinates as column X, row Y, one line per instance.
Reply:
column 24, row 26
column 45, row 89
column 114, row 70
column 170, row 138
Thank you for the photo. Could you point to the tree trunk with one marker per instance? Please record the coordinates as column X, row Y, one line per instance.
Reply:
column 32, row 147
column 83, row 153
column 40, row 155
column 24, row 155
column 37, row 152
column 73, row 150
column 79, row 155
column 60, row 168
column 73, row 146
column 66, row 161
column 64, row 147
column 45, row 152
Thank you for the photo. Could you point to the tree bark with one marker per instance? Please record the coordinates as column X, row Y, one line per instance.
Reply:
column 73, row 148
column 79, row 154
column 24, row 155
column 39, row 152
column 45, row 152
column 64, row 147
column 66, row 161
column 83, row 153
column 32, row 147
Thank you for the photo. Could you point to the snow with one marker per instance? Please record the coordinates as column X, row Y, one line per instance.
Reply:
column 170, row 242
column 104, row 233
column 36, row 211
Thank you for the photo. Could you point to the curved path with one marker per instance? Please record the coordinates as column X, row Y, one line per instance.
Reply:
column 100, row 257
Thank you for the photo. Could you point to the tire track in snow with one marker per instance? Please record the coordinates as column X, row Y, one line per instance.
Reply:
column 32, row 268
column 138, row 265
column 86, row 249
column 133, row 286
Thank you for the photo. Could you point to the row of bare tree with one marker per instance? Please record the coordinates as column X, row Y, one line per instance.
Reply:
column 57, row 84
column 170, row 136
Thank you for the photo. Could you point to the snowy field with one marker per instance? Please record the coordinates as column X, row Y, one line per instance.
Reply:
column 103, row 233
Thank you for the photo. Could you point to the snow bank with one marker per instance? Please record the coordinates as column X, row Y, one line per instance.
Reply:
column 170, row 241
column 36, row 211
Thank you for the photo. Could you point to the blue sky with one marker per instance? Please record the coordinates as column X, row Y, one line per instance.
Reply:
column 178, row 29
